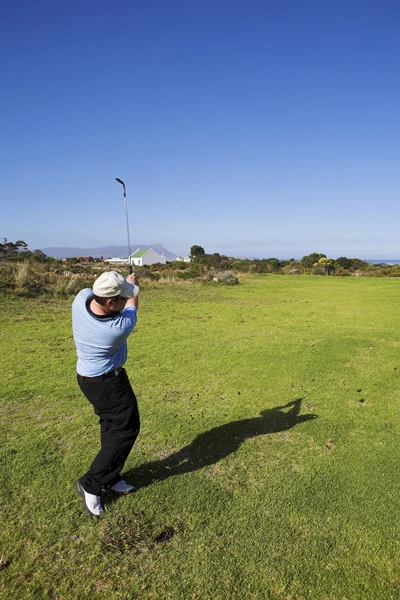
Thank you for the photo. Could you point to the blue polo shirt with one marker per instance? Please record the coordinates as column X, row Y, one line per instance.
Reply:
column 100, row 341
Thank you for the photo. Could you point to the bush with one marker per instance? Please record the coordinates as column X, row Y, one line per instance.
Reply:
column 341, row 272
column 7, row 279
column 225, row 277
column 309, row 260
column 241, row 266
column 195, row 271
column 146, row 274
column 344, row 262
column 293, row 271
column 317, row 271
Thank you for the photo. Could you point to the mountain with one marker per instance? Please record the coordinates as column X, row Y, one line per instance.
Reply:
column 105, row 251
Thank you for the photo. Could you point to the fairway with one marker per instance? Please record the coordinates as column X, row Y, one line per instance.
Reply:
column 266, row 466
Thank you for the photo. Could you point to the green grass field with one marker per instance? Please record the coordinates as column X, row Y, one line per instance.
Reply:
column 267, row 466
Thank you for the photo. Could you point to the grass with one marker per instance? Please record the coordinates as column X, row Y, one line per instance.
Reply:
column 267, row 464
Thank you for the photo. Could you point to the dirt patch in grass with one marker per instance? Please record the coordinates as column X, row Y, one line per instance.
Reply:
column 135, row 536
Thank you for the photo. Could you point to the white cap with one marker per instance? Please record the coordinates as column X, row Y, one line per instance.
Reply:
column 111, row 284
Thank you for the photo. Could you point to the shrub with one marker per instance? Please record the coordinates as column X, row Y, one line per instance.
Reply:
column 194, row 271
column 21, row 275
column 293, row 271
column 310, row 259
column 341, row 272
column 344, row 262
column 26, row 281
column 67, row 284
column 146, row 274
column 317, row 271
column 241, row 265
column 7, row 279
column 225, row 277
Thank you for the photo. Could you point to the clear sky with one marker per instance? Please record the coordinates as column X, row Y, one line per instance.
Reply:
column 249, row 127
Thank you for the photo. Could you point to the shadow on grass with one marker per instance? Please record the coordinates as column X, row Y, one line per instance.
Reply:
column 211, row 446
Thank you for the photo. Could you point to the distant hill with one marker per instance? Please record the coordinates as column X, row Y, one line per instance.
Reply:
column 105, row 251
column 384, row 261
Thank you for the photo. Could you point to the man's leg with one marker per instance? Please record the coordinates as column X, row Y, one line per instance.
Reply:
column 115, row 403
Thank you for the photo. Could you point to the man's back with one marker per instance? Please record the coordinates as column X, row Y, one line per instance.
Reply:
column 100, row 340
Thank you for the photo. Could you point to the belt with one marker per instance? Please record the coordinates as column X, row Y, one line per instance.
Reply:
column 113, row 373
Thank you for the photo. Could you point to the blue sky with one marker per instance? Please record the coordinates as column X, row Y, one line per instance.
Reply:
column 251, row 128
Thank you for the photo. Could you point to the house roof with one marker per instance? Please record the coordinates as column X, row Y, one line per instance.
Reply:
column 139, row 253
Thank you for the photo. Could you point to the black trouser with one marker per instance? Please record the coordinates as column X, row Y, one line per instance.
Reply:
column 114, row 401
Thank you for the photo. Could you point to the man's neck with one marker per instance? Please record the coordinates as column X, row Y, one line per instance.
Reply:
column 98, row 309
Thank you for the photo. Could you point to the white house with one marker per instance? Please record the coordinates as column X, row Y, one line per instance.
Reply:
column 117, row 261
column 183, row 259
column 140, row 258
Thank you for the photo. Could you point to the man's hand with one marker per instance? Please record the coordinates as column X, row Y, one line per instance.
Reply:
column 133, row 301
column 133, row 279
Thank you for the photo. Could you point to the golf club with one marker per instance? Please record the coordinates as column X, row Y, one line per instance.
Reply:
column 127, row 225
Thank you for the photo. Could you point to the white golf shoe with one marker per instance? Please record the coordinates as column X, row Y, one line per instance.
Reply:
column 122, row 487
column 92, row 503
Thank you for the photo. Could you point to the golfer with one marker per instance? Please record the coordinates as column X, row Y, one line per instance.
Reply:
column 102, row 320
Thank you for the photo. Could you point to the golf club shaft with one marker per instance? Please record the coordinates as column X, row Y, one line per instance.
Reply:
column 127, row 225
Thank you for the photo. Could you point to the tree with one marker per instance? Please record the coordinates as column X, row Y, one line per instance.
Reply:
column 196, row 252
column 327, row 264
column 357, row 263
column 21, row 245
column 275, row 264
column 309, row 260
column 39, row 255
column 344, row 262
column 11, row 247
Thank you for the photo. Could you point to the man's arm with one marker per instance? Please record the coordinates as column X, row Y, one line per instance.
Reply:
column 133, row 301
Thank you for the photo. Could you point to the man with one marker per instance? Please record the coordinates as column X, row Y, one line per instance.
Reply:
column 102, row 320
